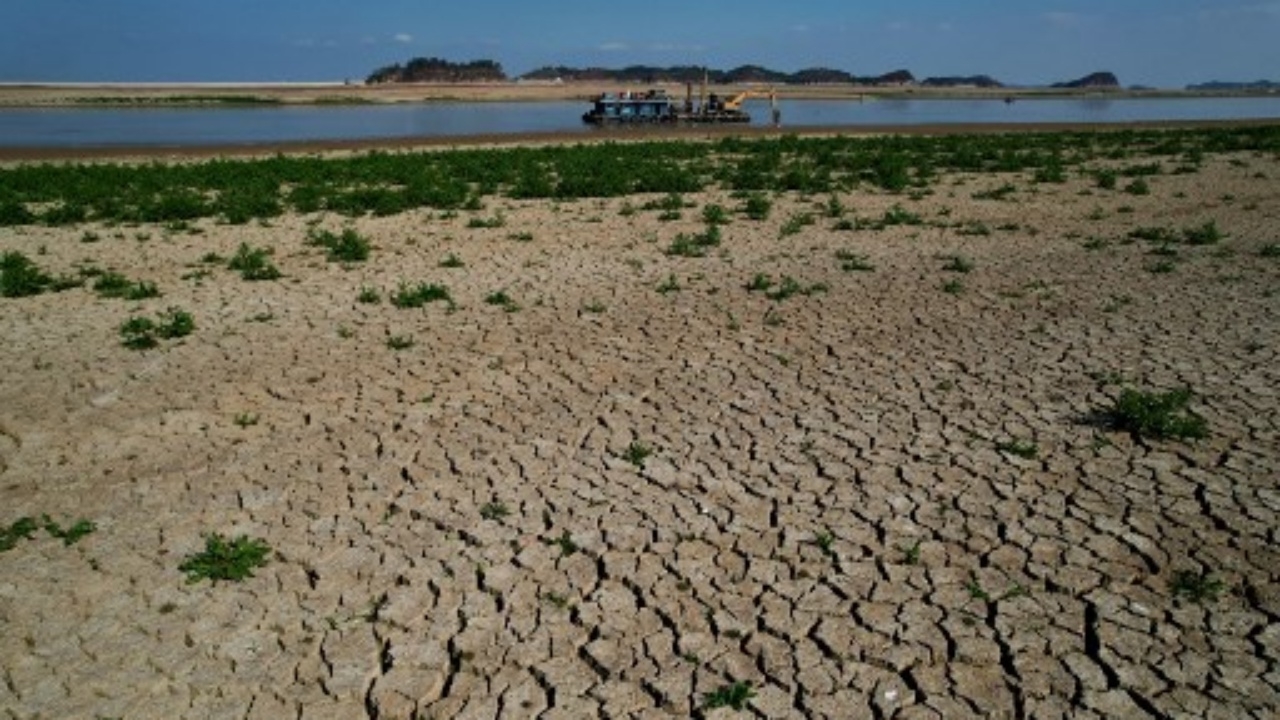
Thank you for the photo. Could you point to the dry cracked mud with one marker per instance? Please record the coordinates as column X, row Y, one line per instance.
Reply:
column 889, row 497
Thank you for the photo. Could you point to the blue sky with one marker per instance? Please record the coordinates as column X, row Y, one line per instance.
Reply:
column 1165, row 43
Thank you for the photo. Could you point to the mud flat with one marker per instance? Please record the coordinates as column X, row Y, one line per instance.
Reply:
column 858, row 459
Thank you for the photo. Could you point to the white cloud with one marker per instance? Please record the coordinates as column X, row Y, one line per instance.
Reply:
column 613, row 47
column 403, row 38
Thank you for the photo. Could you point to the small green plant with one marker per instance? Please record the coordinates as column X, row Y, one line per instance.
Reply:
column 1024, row 449
column 224, row 559
column 20, row 277
column 175, row 323
column 735, row 696
column 1270, row 250
column 138, row 333
column 911, row 554
column 20, row 529
column 785, row 288
column 1096, row 243
column 71, row 535
column 452, row 261
column 697, row 245
column 494, row 511
column 400, row 342
column 369, row 295
column 1138, row 186
column 670, row 285
column 959, row 264
column 636, row 453
column 253, row 263
column 503, row 300
column 1196, row 587
column 854, row 262
column 556, row 600
column 795, row 224
column 1105, row 179
column 825, row 541
column 245, row 420
column 565, row 543
column 757, row 207
column 953, row 287
column 1157, row 415
column 595, row 307
column 525, row 236
column 497, row 221
column 1206, row 234
column 419, row 295
column 999, row 193
column 115, row 285
column 1162, row 267
column 349, row 246
column 713, row 214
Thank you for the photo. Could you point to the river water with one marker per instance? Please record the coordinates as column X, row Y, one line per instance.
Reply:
column 89, row 127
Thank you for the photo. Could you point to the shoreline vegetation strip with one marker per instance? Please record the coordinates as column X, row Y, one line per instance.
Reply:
column 384, row 183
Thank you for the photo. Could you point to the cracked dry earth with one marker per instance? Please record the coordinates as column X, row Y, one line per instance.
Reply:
column 833, row 510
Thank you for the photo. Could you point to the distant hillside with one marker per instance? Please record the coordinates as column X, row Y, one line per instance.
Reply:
column 1098, row 80
column 438, row 70
column 982, row 81
column 647, row 74
column 1220, row 86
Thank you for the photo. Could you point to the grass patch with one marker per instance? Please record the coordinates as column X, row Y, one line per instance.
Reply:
column 697, row 245
column 400, row 342
column 1024, row 449
column 494, row 511
column 452, row 261
column 959, row 264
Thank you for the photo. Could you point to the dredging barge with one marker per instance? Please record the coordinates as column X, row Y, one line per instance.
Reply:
column 655, row 107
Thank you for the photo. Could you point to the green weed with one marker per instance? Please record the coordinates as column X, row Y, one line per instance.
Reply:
column 854, row 262
column 71, row 535
column 20, row 277
column 400, row 342
column 503, row 300
column 349, row 246
column 369, row 295
column 494, row 511
column 115, row 285
column 452, row 261
column 959, row 264
column 1157, row 415
column 1024, row 449
column 735, row 696
column 1196, row 587
column 757, row 207
column 20, row 529
column 419, row 295
column 669, row 285
column 253, row 263
column 224, row 559
column 695, row 246
column 637, row 453
column 953, row 287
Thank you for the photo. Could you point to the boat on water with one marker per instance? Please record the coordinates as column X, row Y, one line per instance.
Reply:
column 655, row 107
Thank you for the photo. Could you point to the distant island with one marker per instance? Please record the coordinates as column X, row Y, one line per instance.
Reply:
column 437, row 70
column 1220, row 86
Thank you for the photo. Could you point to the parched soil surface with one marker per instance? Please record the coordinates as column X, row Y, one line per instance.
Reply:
column 893, row 494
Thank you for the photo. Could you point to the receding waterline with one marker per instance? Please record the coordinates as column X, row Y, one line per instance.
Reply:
column 162, row 127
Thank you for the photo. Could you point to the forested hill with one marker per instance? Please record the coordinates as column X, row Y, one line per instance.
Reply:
column 438, row 70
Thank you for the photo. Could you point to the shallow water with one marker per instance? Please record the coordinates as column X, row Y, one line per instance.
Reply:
column 85, row 127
